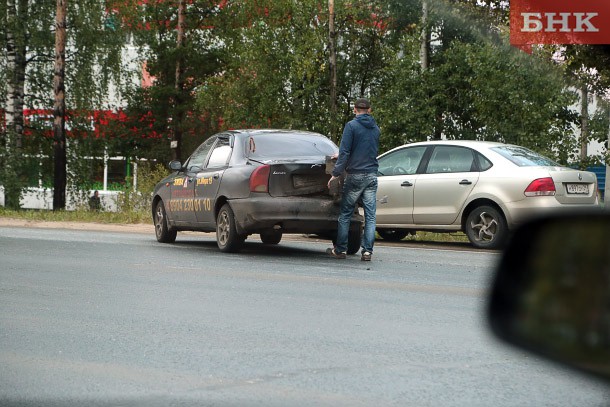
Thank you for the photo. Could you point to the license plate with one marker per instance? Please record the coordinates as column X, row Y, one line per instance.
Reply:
column 304, row 181
column 580, row 189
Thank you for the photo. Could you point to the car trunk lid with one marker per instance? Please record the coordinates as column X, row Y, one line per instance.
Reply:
column 574, row 186
column 296, row 178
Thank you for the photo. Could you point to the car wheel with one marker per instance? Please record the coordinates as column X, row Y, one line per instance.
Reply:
column 162, row 231
column 226, row 233
column 392, row 235
column 486, row 228
column 354, row 240
column 271, row 237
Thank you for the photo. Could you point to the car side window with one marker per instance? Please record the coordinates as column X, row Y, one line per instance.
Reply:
column 220, row 154
column 451, row 159
column 401, row 162
column 200, row 155
column 484, row 163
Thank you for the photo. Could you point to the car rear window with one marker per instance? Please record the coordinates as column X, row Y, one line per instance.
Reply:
column 281, row 145
column 524, row 157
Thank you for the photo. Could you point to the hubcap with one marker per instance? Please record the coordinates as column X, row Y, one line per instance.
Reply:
column 223, row 228
column 159, row 220
column 486, row 229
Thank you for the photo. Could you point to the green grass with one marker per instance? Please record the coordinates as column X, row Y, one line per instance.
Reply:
column 421, row 236
column 77, row 216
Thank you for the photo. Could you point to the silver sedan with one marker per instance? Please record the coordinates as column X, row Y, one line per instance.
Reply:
column 484, row 189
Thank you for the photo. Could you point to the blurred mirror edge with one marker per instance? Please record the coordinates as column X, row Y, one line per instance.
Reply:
column 551, row 291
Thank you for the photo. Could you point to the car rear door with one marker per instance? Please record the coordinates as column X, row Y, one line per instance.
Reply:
column 208, row 179
column 441, row 191
column 396, row 179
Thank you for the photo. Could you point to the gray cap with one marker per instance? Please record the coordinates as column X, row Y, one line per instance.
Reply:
column 362, row 104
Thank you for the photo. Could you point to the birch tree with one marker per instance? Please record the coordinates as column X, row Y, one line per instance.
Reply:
column 15, row 37
column 93, row 55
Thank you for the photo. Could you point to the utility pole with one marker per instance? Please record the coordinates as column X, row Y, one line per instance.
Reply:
column 332, row 36
column 59, row 108
column 176, row 143
column 584, row 124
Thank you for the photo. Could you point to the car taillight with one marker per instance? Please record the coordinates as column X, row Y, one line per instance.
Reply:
column 541, row 187
column 259, row 180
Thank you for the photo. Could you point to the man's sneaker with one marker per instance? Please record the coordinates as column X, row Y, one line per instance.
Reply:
column 366, row 256
column 337, row 255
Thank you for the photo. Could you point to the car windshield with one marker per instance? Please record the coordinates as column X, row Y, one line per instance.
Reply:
column 280, row 145
column 524, row 157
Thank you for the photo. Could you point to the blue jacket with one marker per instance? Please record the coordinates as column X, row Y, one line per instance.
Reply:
column 359, row 146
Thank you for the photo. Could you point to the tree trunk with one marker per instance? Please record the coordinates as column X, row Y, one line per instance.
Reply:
column 424, row 50
column 59, row 108
column 179, row 87
column 16, row 16
column 332, row 36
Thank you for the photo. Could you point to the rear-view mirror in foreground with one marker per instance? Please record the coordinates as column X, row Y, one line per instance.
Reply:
column 551, row 293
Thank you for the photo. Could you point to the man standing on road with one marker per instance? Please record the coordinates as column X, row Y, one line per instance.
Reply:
column 358, row 157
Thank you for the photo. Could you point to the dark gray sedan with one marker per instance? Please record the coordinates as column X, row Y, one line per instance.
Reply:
column 243, row 182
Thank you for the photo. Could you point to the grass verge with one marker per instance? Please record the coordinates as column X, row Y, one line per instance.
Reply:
column 140, row 217
column 77, row 216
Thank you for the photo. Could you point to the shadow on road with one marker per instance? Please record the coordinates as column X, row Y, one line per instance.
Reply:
column 253, row 246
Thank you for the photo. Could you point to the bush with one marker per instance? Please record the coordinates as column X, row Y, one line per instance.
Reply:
column 137, row 201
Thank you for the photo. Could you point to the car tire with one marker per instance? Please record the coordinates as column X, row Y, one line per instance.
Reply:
column 227, row 238
column 271, row 237
column 162, row 231
column 392, row 235
column 486, row 228
column 354, row 240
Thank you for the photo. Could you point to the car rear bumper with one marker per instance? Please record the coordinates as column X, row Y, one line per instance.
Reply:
column 521, row 211
column 288, row 214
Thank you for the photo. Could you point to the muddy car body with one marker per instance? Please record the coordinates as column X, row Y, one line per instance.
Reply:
column 243, row 182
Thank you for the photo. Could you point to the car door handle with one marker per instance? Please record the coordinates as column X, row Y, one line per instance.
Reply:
column 406, row 184
column 465, row 182
column 216, row 176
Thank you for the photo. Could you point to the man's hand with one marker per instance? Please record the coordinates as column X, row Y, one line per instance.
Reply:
column 332, row 178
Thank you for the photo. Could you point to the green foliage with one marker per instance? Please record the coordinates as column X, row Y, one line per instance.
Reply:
column 93, row 62
column 276, row 70
column 138, row 200
column 171, row 103
column 477, row 91
column 266, row 64
column 93, row 57
column 599, row 127
column 11, row 180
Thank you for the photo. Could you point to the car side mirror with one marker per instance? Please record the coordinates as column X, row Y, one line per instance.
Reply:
column 175, row 165
column 551, row 292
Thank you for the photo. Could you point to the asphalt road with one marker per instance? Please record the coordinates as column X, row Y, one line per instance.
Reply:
column 106, row 318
